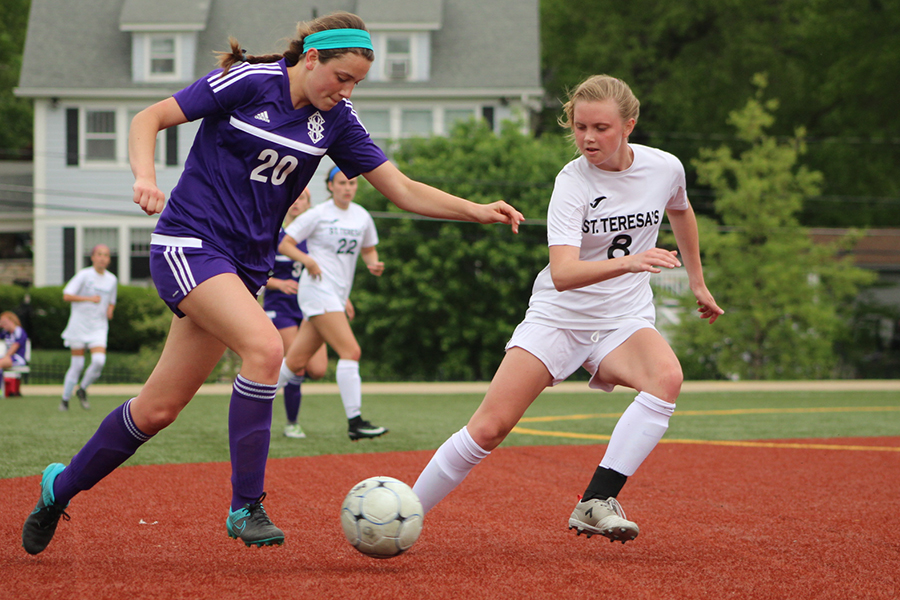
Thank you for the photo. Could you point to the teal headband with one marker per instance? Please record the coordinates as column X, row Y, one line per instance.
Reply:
column 338, row 38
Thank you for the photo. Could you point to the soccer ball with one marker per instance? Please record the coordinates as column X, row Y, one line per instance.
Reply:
column 382, row 517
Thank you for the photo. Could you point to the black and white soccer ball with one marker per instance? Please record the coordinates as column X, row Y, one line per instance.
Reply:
column 382, row 517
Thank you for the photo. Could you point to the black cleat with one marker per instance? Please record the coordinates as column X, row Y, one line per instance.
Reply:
column 41, row 523
column 82, row 397
column 253, row 526
column 358, row 429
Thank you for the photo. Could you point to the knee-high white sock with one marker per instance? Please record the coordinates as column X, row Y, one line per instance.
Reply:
column 637, row 433
column 284, row 375
column 350, row 386
column 76, row 364
column 447, row 468
column 92, row 373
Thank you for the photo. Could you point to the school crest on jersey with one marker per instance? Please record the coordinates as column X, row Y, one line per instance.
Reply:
column 316, row 126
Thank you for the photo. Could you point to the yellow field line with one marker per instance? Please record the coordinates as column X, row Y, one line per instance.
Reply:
column 736, row 411
column 592, row 436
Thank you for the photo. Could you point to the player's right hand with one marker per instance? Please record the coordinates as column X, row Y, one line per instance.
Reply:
column 149, row 197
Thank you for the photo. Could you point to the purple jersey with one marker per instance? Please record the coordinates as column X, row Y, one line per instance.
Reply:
column 253, row 155
column 17, row 336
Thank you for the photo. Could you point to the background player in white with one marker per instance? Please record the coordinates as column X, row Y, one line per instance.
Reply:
column 280, row 304
column 267, row 122
column 592, row 305
column 92, row 294
column 336, row 233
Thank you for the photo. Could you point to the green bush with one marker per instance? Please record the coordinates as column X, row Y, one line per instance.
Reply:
column 49, row 315
column 140, row 318
column 11, row 298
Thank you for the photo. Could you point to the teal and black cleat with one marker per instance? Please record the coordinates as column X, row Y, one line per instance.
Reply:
column 252, row 525
column 41, row 523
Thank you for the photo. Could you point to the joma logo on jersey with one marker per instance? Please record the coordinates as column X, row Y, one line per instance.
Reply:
column 316, row 126
column 620, row 222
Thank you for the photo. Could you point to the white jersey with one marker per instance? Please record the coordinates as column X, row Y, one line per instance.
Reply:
column 89, row 318
column 334, row 238
column 607, row 214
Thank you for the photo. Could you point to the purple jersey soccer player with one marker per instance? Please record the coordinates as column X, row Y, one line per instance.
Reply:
column 267, row 122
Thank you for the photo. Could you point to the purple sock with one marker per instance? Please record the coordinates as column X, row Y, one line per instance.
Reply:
column 249, row 432
column 115, row 441
column 292, row 398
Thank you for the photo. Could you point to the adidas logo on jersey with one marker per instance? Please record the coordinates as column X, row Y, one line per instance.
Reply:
column 263, row 116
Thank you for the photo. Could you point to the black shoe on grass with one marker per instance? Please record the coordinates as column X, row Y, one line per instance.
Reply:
column 358, row 429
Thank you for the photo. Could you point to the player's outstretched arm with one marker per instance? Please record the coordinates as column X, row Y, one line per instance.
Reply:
column 423, row 199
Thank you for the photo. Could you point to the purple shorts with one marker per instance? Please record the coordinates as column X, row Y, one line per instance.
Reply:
column 283, row 309
column 178, row 265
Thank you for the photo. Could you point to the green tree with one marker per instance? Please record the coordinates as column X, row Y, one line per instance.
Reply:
column 452, row 293
column 15, row 113
column 787, row 299
column 833, row 66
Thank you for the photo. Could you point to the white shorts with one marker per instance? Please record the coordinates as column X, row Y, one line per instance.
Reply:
column 316, row 300
column 95, row 339
column 564, row 350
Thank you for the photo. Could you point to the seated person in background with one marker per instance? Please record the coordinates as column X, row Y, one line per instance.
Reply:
column 15, row 341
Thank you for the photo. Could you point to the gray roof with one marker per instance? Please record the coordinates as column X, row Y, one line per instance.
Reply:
column 179, row 14
column 481, row 44
column 383, row 14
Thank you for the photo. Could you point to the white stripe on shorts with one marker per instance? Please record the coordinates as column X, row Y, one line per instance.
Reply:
column 181, row 270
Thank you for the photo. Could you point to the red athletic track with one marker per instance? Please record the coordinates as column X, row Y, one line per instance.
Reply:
column 716, row 522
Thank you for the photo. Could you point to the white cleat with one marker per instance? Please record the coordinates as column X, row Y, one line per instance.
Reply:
column 603, row 517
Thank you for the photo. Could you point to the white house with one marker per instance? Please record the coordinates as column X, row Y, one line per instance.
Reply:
column 90, row 67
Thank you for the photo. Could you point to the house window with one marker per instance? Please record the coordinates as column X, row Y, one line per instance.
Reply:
column 398, row 58
column 162, row 56
column 378, row 124
column 140, row 253
column 100, row 135
column 416, row 123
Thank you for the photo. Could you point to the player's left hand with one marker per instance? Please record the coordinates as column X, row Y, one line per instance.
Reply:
column 500, row 212
column 376, row 268
column 708, row 308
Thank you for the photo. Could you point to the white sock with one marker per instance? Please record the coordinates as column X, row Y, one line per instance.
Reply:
column 637, row 433
column 76, row 364
column 284, row 375
column 447, row 468
column 350, row 386
column 92, row 374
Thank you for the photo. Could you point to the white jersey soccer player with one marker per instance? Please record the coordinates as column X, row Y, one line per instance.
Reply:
column 334, row 238
column 88, row 324
column 607, row 214
column 592, row 306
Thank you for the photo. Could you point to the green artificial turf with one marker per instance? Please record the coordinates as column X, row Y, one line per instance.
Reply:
column 34, row 433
